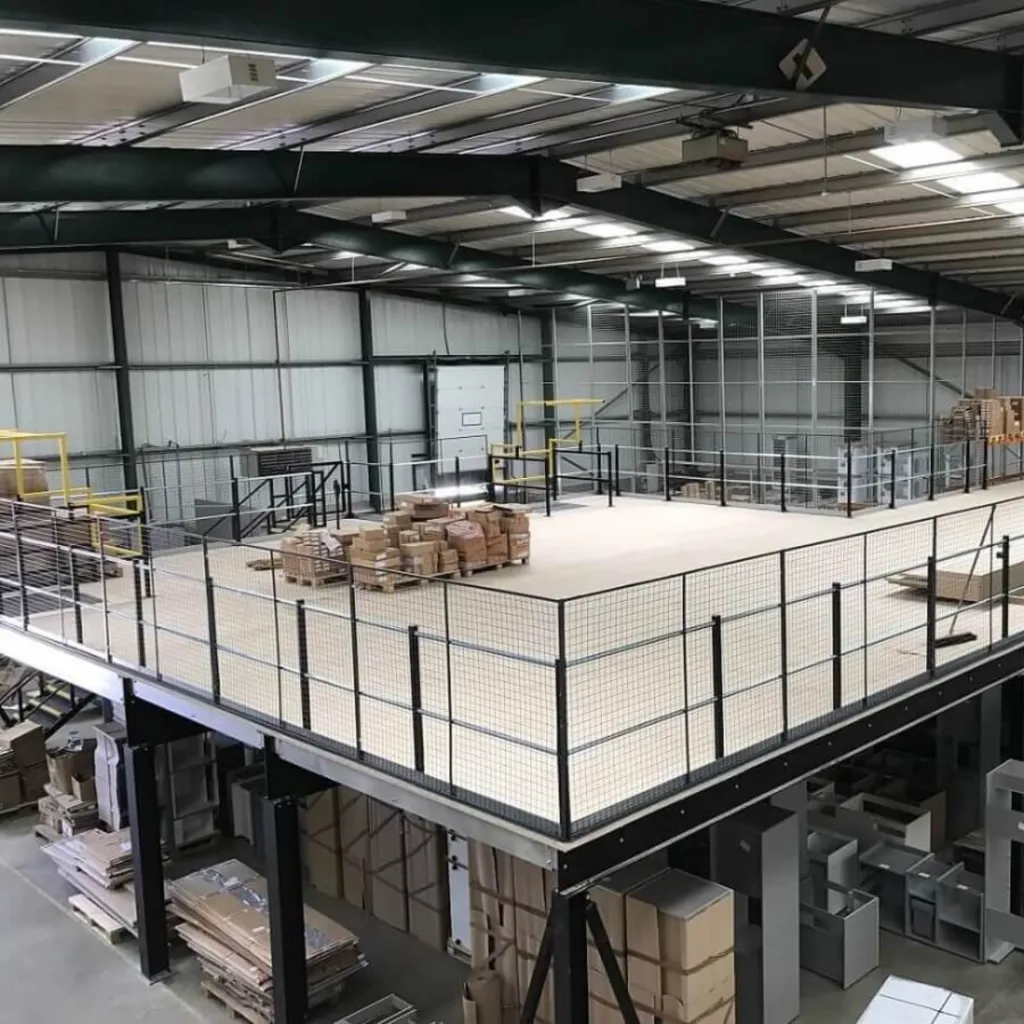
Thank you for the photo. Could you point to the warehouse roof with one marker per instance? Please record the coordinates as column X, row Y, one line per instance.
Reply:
column 950, row 200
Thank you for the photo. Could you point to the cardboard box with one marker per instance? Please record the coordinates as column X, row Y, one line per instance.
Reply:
column 354, row 830
column 387, row 866
column 680, row 957
column 26, row 742
column 33, row 781
column 426, row 881
column 481, row 998
column 64, row 765
column 10, row 791
column 84, row 789
column 323, row 868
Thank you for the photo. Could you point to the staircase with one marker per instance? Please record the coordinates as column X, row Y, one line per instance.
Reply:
column 27, row 695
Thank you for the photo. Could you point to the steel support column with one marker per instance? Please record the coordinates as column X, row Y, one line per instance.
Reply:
column 122, row 377
column 147, row 860
column 569, row 961
column 871, row 370
column 369, row 399
column 286, row 909
column 931, row 369
column 548, row 381
column 721, row 373
column 662, row 383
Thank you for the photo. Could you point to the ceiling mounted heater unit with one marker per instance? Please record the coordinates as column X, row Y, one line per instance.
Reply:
column 916, row 129
column 228, row 79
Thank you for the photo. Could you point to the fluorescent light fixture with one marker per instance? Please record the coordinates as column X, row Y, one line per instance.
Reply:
column 777, row 275
column 1012, row 207
column 917, row 154
column 414, row 266
column 771, row 271
column 465, row 491
column 822, row 284
column 671, row 245
column 788, row 279
column 344, row 254
column 34, row 32
column 516, row 293
column 725, row 260
column 388, row 216
column 561, row 213
column 632, row 93
column 606, row 229
column 516, row 211
column 852, row 321
column 707, row 324
column 675, row 281
column 905, row 309
column 985, row 181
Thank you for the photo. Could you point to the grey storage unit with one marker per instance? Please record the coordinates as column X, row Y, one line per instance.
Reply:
column 275, row 461
column 840, row 940
column 756, row 853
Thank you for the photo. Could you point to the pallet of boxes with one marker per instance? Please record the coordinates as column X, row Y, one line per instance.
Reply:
column 99, row 866
column 23, row 771
column 671, row 933
column 313, row 557
column 491, row 536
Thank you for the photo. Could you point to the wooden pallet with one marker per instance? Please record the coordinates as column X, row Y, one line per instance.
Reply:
column 106, row 927
column 392, row 583
column 468, row 570
column 314, row 582
column 234, row 1009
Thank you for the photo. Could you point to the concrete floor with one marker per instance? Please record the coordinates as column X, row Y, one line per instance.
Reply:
column 55, row 970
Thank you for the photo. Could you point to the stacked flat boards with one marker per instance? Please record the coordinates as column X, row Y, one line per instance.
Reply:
column 224, row 921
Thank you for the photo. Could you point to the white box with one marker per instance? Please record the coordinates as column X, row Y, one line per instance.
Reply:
column 900, row 1001
column 233, row 77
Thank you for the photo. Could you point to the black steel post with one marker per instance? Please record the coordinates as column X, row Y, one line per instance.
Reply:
column 310, row 500
column 783, row 644
column 892, row 478
column 569, row 958
column 489, row 485
column 272, row 517
column 837, row 646
column 618, row 478
column 984, row 464
column 286, row 910
column 337, row 504
column 122, row 375
column 302, row 639
column 562, row 731
column 146, row 537
column 539, row 975
column 391, row 480
column 931, row 469
column 416, row 699
column 356, row 694
column 718, row 684
column 1004, row 556
column 547, row 490
column 967, row 467
column 600, row 468
column 236, row 511
column 366, row 350
column 458, row 482
column 721, row 477
column 140, row 622
column 930, row 624
column 611, row 495
column 211, row 625
column 668, row 485
column 76, row 594
column 19, row 565
column 147, row 860
column 782, row 480
column 849, row 480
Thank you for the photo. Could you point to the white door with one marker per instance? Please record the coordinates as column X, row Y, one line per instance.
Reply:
column 470, row 413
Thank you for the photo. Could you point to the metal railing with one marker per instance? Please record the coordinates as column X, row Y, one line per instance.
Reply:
column 560, row 714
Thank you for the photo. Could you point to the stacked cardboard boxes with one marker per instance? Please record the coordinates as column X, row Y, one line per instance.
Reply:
column 515, row 525
column 388, row 863
column 23, row 771
column 69, row 806
column 985, row 414
column 374, row 559
column 671, row 933
column 469, row 540
column 108, row 766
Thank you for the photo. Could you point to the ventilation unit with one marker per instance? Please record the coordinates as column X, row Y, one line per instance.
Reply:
column 228, row 79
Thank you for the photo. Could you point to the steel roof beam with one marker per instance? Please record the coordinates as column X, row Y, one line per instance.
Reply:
column 283, row 230
column 681, row 45
column 46, row 174
column 658, row 211
column 852, row 212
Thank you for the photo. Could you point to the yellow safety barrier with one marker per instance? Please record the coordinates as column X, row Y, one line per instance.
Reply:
column 111, row 506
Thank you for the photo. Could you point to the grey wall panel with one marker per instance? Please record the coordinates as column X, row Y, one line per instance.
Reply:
column 322, row 401
column 317, row 325
column 400, row 399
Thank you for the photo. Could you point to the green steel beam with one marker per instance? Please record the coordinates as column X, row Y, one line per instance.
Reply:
column 65, row 174
column 284, row 230
column 680, row 44
column 657, row 210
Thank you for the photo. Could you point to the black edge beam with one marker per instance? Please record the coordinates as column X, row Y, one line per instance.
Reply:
column 682, row 44
column 50, row 174
column 677, row 818
column 122, row 376
column 283, row 230
column 284, row 779
column 656, row 210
